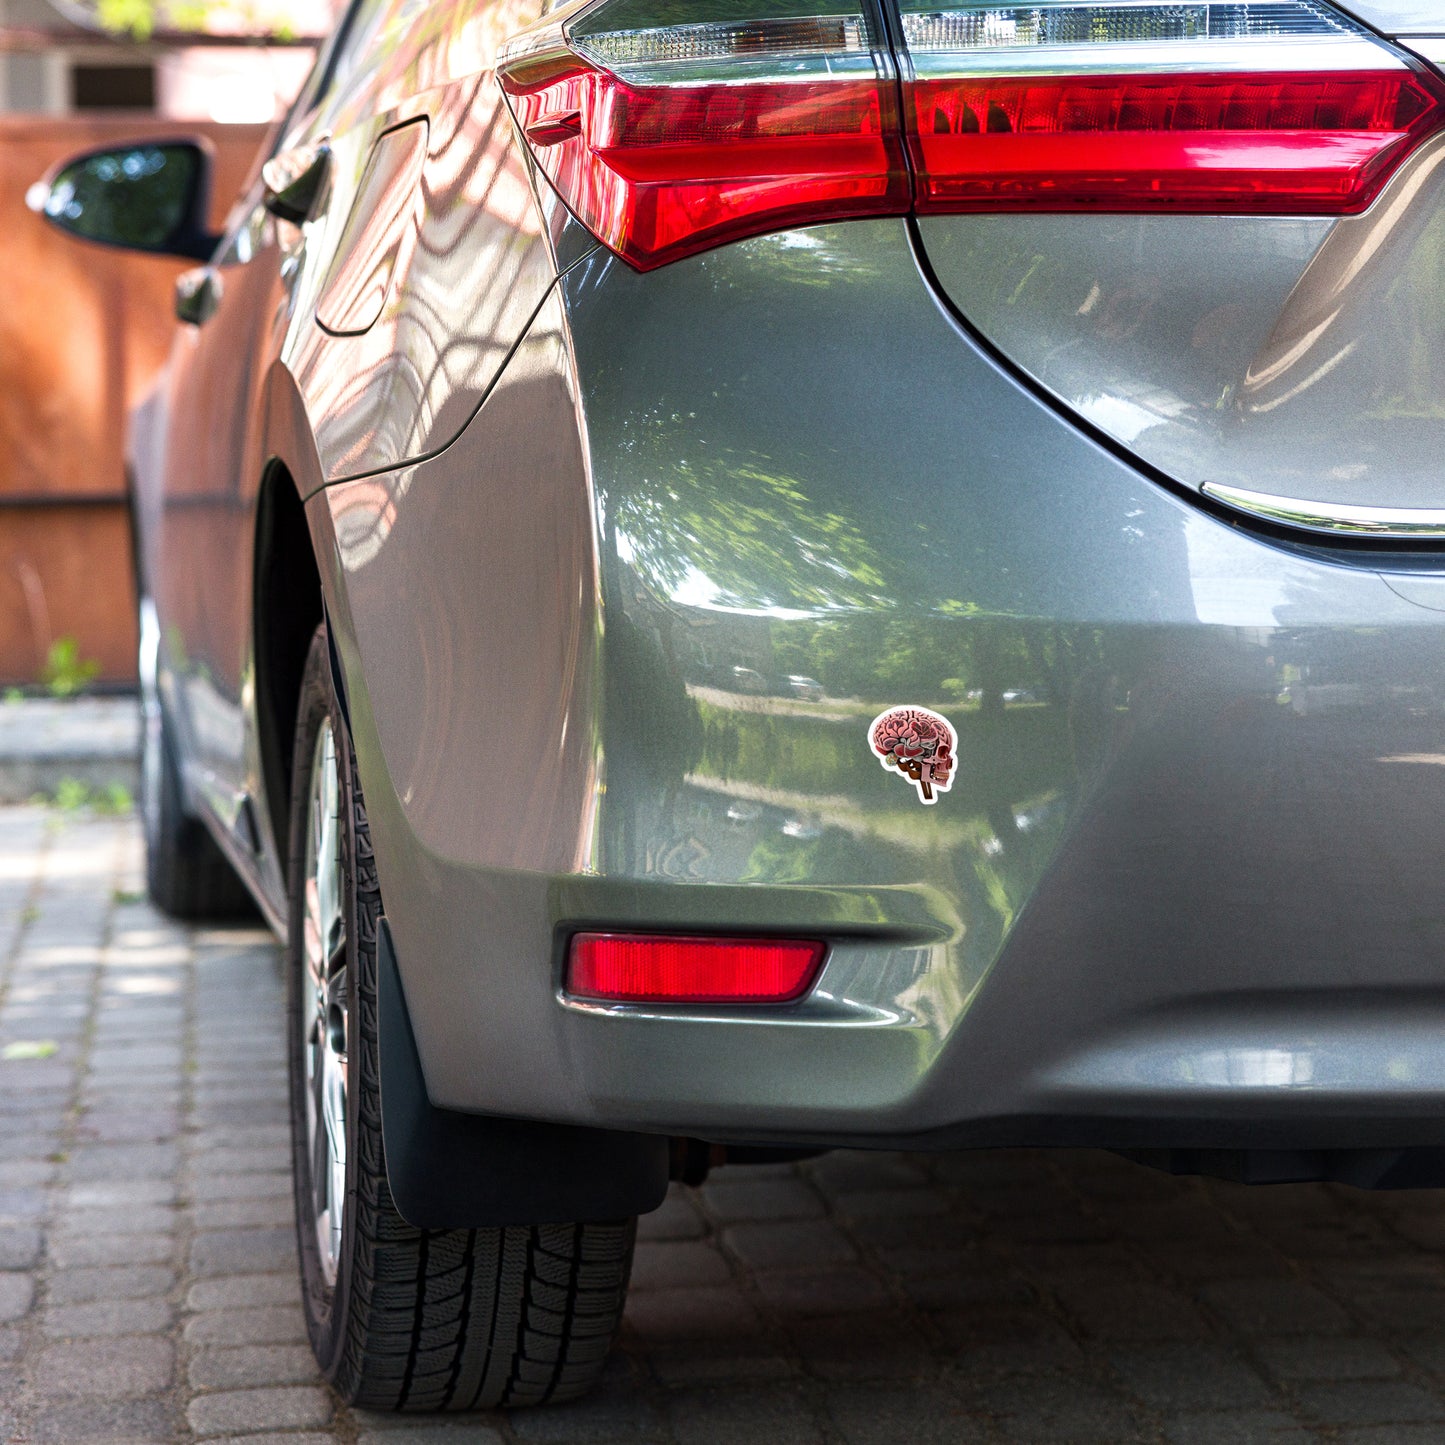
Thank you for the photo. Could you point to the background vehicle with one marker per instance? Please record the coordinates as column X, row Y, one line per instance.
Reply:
column 1075, row 361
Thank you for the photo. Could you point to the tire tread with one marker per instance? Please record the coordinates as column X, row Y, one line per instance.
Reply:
column 453, row 1319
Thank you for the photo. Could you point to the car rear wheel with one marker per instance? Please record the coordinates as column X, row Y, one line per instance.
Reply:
column 187, row 875
column 402, row 1318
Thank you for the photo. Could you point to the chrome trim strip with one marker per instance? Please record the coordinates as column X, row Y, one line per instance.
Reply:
column 1332, row 517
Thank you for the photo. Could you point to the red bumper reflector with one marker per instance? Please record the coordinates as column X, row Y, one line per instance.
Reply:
column 647, row 968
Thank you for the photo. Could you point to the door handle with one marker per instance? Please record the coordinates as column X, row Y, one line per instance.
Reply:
column 292, row 181
column 198, row 293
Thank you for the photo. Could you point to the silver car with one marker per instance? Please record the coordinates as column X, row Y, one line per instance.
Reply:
column 1053, row 394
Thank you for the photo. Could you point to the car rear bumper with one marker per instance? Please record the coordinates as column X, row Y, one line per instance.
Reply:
column 1185, row 890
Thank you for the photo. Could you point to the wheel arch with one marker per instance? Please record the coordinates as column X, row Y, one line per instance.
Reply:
column 287, row 605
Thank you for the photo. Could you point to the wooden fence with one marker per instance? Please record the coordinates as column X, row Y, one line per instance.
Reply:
column 83, row 331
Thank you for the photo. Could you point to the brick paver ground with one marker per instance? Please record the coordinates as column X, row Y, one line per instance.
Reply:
column 147, row 1273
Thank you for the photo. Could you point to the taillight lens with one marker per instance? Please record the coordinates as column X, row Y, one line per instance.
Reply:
column 1281, row 107
column 650, row 968
column 667, row 139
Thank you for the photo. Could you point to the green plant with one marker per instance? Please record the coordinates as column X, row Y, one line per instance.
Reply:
column 73, row 794
column 113, row 798
column 28, row 1049
column 66, row 672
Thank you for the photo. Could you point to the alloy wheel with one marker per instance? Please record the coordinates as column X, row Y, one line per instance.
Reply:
column 323, row 947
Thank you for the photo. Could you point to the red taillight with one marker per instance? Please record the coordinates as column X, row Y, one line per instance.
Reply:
column 658, row 172
column 668, row 138
column 647, row 968
column 1273, row 143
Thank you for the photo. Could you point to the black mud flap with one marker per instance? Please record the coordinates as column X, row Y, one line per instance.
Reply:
column 449, row 1170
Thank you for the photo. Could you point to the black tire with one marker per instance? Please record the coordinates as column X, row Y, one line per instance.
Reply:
column 420, row 1319
column 187, row 875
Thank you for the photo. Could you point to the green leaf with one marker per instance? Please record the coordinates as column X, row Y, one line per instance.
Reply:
column 28, row 1049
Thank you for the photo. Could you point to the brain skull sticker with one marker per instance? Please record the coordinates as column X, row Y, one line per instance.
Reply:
column 920, row 744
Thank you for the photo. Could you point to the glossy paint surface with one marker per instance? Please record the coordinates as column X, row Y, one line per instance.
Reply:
column 383, row 222
column 1297, row 358
column 473, row 260
column 620, row 568
column 1399, row 17
column 1184, row 885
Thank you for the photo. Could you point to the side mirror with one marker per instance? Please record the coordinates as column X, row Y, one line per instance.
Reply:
column 147, row 196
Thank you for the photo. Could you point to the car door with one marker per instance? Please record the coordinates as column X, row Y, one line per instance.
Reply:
column 213, row 467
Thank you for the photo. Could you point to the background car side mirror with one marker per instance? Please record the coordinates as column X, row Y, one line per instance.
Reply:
column 147, row 196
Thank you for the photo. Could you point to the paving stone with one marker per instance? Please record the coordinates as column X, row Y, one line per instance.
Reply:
column 126, row 1219
column 861, row 1348
column 711, row 1311
column 270, row 1210
column 713, row 1362
column 29, row 1173
column 1363, row 1402
column 438, row 1432
column 1276, row 1307
column 108, row 1422
column 860, row 1204
column 17, row 1292
column 788, row 1245
column 274, row 1408
column 79, row 1286
column 611, row 1414
column 1132, row 1310
column 668, row 1264
column 110, row 1369
column 1247, row 1427
column 241, row 1290
column 239, row 1186
column 252, row 1365
column 1390, row 1435
column 777, row 1414
column 19, row 1247
column 243, row 1251
column 120, row 1193
column 1306, row 1357
column 269, row 1437
column 890, row 1415
column 107, row 1317
column 73, row 1250
column 843, row 1289
column 1008, row 1341
column 272, row 1325
column 1174, row 1377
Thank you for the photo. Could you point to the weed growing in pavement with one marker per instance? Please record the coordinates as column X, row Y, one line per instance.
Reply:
column 74, row 795
column 66, row 672
column 24, row 1049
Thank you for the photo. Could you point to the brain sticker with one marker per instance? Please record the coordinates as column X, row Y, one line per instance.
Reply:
column 920, row 744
